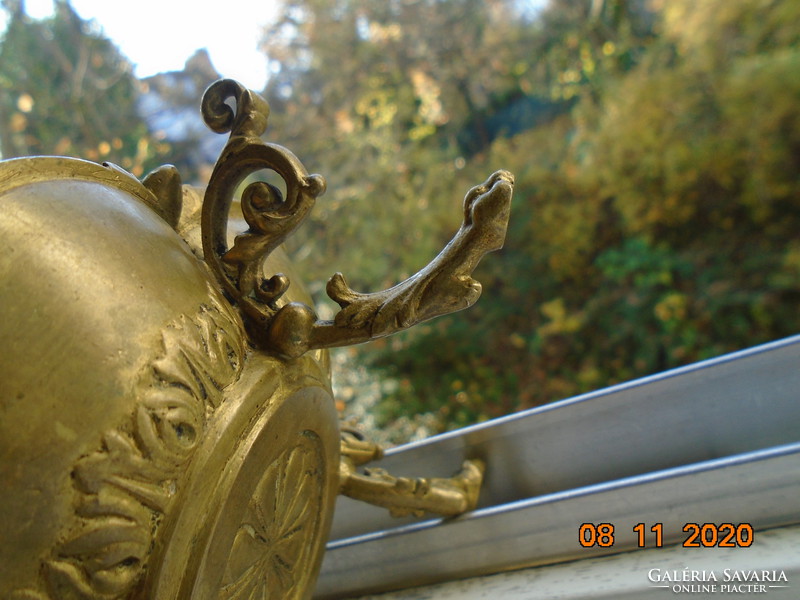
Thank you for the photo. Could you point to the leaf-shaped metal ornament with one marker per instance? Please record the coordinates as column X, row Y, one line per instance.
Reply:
column 442, row 287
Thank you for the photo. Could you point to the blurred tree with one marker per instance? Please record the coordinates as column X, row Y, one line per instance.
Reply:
column 656, row 148
column 657, row 188
column 373, row 95
column 663, row 223
column 67, row 90
column 169, row 104
column 698, row 151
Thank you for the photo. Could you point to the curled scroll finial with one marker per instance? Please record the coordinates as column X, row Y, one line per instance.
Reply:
column 442, row 287
column 250, row 116
column 271, row 217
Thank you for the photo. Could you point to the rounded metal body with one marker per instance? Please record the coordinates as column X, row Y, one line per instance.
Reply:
column 146, row 450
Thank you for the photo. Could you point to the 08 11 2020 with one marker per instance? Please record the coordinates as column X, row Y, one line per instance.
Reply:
column 706, row 535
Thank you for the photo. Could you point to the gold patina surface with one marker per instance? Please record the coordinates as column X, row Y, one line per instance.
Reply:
column 167, row 428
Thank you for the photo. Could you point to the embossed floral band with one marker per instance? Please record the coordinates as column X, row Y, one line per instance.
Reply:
column 168, row 428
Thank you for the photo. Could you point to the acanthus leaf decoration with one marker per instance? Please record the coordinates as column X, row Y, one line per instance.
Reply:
column 445, row 285
column 127, row 485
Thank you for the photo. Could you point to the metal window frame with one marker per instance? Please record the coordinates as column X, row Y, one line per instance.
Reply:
column 714, row 442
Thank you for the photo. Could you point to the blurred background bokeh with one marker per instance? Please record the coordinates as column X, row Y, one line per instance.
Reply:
column 655, row 143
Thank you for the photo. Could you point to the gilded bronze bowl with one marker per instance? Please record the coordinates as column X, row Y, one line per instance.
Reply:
column 168, row 428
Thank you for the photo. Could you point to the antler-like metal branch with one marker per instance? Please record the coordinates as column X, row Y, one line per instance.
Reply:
column 405, row 496
column 444, row 286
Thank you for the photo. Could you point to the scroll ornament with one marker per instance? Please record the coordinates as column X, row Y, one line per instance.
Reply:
column 224, row 381
column 443, row 286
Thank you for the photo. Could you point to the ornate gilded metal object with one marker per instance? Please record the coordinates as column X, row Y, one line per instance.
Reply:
column 444, row 286
column 405, row 496
column 168, row 428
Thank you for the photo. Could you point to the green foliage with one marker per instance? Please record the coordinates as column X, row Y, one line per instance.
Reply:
column 655, row 144
column 654, row 221
column 66, row 90
column 373, row 95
